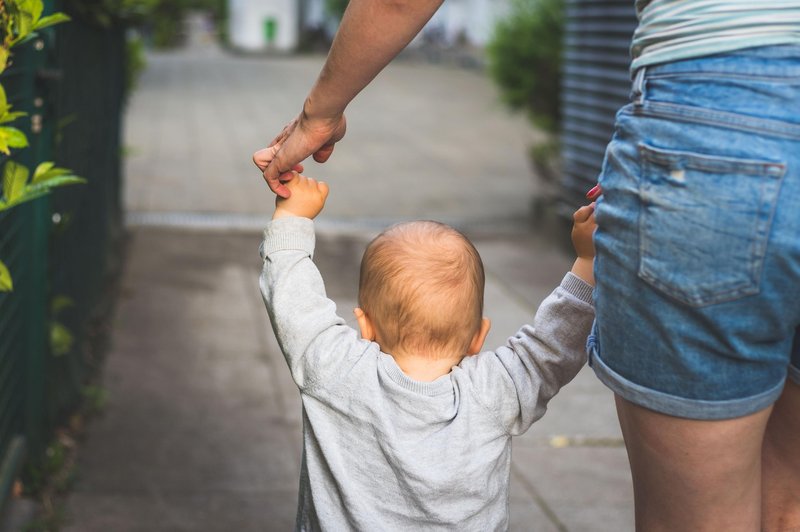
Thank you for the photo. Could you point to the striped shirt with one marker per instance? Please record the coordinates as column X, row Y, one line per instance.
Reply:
column 670, row 30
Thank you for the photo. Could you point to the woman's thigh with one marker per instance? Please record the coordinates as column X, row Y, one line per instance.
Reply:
column 694, row 474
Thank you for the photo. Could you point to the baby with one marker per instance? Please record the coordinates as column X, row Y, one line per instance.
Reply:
column 409, row 425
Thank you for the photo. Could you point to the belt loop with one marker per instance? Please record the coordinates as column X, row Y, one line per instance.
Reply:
column 637, row 93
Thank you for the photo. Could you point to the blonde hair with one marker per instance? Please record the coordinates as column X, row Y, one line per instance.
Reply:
column 422, row 287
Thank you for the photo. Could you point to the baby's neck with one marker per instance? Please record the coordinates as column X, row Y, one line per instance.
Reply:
column 425, row 367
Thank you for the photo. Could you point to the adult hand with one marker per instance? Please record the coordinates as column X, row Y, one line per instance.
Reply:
column 300, row 138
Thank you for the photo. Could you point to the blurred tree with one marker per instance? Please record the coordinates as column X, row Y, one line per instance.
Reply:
column 525, row 61
column 163, row 18
column 336, row 8
column 525, row 58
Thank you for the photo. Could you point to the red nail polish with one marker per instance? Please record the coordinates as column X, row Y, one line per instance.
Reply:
column 594, row 193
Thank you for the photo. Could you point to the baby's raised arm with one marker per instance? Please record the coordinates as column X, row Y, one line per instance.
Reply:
column 314, row 339
column 307, row 199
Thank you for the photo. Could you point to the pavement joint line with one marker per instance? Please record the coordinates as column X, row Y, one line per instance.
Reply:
column 231, row 221
column 560, row 441
column 509, row 292
column 537, row 497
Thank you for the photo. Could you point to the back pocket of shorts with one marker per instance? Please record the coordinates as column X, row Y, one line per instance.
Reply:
column 705, row 223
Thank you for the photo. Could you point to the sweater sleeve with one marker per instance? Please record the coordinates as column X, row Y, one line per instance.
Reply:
column 516, row 381
column 315, row 341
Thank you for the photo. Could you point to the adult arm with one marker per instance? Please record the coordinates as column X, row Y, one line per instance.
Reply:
column 371, row 34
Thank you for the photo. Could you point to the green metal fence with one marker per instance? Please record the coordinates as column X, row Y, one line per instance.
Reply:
column 70, row 80
column 84, row 246
column 23, row 246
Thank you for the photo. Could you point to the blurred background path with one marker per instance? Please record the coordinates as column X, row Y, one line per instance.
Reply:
column 202, row 427
column 423, row 140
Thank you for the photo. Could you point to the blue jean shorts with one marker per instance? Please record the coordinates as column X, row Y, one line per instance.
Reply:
column 698, row 240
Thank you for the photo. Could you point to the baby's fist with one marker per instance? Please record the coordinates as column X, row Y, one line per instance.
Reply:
column 583, row 230
column 307, row 199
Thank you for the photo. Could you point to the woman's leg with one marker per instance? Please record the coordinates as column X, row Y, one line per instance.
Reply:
column 781, row 464
column 694, row 475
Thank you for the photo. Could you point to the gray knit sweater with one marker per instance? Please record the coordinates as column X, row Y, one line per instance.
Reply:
column 384, row 452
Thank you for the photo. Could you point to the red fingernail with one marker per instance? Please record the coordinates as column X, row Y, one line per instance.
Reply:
column 594, row 193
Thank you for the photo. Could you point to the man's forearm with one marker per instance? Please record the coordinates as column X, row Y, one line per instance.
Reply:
column 372, row 33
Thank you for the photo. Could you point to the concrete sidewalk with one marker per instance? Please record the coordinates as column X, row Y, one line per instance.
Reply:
column 202, row 428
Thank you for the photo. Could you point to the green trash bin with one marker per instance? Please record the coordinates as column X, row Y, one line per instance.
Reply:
column 270, row 30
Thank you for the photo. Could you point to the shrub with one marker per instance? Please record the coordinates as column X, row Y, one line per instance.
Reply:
column 335, row 8
column 525, row 56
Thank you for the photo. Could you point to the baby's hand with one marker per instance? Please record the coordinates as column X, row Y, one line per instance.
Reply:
column 306, row 201
column 582, row 231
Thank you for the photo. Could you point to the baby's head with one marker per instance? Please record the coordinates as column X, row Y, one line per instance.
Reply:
column 421, row 288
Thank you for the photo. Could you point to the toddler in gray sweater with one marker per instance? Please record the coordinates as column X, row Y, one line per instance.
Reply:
column 408, row 425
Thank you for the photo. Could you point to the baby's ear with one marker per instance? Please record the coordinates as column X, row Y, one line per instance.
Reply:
column 364, row 325
column 476, row 344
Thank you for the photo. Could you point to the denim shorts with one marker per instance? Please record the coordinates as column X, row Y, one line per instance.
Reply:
column 698, row 240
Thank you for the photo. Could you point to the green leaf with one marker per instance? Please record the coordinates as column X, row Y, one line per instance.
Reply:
column 41, row 170
column 6, row 285
column 52, row 182
column 59, row 303
column 27, row 37
column 11, row 137
column 24, row 25
column 36, row 8
column 55, row 18
column 14, row 178
column 4, row 53
column 14, row 137
column 30, row 9
column 45, row 172
column 61, row 339
column 27, row 196
column 6, row 117
column 3, row 99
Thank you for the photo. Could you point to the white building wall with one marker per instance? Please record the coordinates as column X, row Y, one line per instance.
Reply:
column 482, row 15
column 315, row 15
column 456, row 19
column 247, row 19
column 473, row 20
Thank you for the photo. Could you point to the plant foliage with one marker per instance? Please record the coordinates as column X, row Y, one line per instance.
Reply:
column 19, row 22
column 336, row 8
column 525, row 57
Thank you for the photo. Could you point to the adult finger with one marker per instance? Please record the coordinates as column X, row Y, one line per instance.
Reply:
column 285, row 132
column 275, row 179
column 264, row 156
column 278, row 187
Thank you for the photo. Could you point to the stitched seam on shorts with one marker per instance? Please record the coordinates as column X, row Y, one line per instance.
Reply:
column 715, row 118
column 790, row 79
column 675, row 405
column 720, row 165
column 711, row 163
